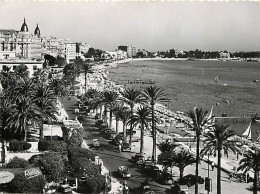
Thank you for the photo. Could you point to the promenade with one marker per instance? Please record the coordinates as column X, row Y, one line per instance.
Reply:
column 112, row 159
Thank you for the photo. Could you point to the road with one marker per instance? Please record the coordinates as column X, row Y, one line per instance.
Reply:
column 112, row 159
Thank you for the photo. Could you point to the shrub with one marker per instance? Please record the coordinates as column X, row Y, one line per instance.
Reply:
column 76, row 137
column 18, row 146
column 52, row 166
column 75, row 153
column 22, row 185
column 83, row 167
column 51, row 145
column 17, row 162
column 93, row 184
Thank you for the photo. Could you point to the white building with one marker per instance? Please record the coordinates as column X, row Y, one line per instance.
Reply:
column 70, row 51
column 131, row 51
column 32, row 65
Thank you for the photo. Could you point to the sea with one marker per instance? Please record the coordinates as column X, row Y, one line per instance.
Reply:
column 228, row 87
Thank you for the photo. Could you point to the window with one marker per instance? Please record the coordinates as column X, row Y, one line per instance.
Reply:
column 35, row 67
column 14, row 67
column 4, row 68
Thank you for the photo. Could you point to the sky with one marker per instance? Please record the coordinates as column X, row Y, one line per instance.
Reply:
column 154, row 26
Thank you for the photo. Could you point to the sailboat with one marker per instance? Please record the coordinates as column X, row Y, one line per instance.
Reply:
column 248, row 132
column 216, row 79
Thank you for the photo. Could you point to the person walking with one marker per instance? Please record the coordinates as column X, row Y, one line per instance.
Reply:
column 125, row 187
column 230, row 176
column 212, row 166
column 120, row 145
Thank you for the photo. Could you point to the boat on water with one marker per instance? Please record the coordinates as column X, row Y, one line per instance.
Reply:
column 216, row 79
column 248, row 132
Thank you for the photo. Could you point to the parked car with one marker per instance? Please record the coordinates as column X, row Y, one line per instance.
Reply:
column 124, row 172
column 34, row 159
column 111, row 135
column 103, row 126
column 126, row 147
column 165, row 178
column 128, row 132
column 98, row 123
column 96, row 143
column 190, row 180
column 145, row 187
column 138, row 159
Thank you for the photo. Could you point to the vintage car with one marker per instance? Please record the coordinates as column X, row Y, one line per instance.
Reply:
column 128, row 132
column 126, row 147
column 145, row 187
column 190, row 180
column 138, row 159
column 95, row 143
column 124, row 172
column 111, row 135
column 165, row 178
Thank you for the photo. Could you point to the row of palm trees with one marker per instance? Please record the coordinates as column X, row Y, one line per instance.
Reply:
column 218, row 140
column 122, row 106
column 27, row 102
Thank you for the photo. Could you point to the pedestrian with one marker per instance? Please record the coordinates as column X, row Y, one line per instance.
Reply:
column 125, row 187
column 120, row 147
column 230, row 176
column 247, row 177
column 212, row 166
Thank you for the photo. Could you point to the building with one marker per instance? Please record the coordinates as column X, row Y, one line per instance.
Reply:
column 81, row 49
column 131, row 51
column 122, row 48
column 224, row 54
column 70, row 51
column 32, row 65
column 21, row 44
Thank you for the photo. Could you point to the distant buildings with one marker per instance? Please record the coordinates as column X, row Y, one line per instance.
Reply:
column 224, row 54
column 131, row 51
column 23, row 47
column 122, row 48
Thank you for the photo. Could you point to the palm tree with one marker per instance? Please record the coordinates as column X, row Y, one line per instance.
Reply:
column 142, row 117
column 24, row 113
column 58, row 88
column 218, row 140
column 86, row 66
column 117, row 110
column 154, row 95
column 198, row 117
column 131, row 97
column 251, row 160
column 179, row 158
column 124, row 115
column 110, row 99
column 43, row 98
column 23, row 88
column 40, row 76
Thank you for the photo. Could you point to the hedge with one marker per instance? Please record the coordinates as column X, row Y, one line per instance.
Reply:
column 76, row 137
column 75, row 153
column 22, row 185
column 18, row 146
column 17, row 162
column 51, row 145
column 83, row 167
column 93, row 184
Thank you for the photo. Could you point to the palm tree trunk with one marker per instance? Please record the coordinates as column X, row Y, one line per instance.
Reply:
column 197, row 163
column 100, row 112
column 41, row 132
column 124, row 131
column 25, row 135
column 181, row 171
column 219, row 172
column 255, row 181
column 3, row 150
column 85, row 79
column 142, row 139
column 111, row 115
column 131, row 126
column 154, row 136
column 116, row 125
column 105, row 115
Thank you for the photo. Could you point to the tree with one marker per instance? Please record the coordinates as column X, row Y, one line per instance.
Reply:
column 21, row 72
column 52, row 166
column 142, row 117
column 131, row 97
column 40, row 76
column 251, row 160
column 124, row 115
column 110, row 99
column 23, row 114
column 58, row 88
column 218, row 140
column 43, row 98
column 117, row 110
column 60, row 61
column 86, row 66
column 198, row 117
column 179, row 158
column 153, row 95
